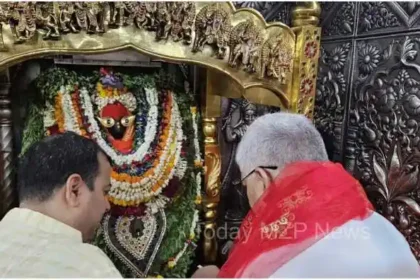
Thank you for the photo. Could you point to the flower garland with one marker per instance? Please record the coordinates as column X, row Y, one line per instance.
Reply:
column 173, row 261
column 49, row 115
column 130, row 190
column 70, row 116
column 165, row 137
column 110, row 96
column 150, row 132
column 59, row 117
column 77, row 114
column 198, row 159
column 198, row 162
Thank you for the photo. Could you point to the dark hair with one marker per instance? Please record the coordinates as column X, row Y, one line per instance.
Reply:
column 47, row 164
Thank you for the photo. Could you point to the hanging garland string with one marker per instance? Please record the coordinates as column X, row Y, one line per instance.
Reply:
column 58, row 88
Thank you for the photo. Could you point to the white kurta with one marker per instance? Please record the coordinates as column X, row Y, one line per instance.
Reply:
column 36, row 246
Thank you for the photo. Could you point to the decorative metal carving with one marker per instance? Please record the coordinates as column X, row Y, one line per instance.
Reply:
column 384, row 122
column 308, row 70
column 189, row 32
column 271, row 11
column 338, row 19
column 212, row 27
column 7, row 192
column 410, row 8
column 212, row 23
column 381, row 138
column 284, row 13
column 376, row 15
column 212, row 183
column 244, row 40
column 272, row 60
column 330, row 92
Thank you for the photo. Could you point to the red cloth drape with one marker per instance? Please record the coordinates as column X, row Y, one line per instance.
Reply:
column 305, row 202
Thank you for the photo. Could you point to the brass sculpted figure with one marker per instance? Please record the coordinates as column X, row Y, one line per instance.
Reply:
column 183, row 18
column 244, row 41
column 163, row 21
column 212, row 27
column 95, row 17
column 22, row 20
column 66, row 11
column 271, row 60
column 47, row 20
column 4, row 18
column 117, row 14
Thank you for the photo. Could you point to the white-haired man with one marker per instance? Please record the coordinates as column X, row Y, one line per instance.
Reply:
column 309, row 217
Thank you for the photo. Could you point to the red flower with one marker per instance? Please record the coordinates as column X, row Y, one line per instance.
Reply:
column 311, row 49
column 306, row 86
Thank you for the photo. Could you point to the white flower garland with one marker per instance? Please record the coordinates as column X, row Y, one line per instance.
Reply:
column 196, row 143
column 198, row 184
column 49, row 117
column 181, row 168
column 149, row 135
column 69, row 114
column 193, row 227
column 126, row 99
column 198, row 157
column 172, row 151
column 158, row 203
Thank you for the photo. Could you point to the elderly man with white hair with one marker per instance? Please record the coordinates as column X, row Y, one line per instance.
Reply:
column 308, row 217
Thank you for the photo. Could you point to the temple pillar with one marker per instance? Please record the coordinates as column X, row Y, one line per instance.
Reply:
column 305, row 19
column 7, row 192
column 212, row 169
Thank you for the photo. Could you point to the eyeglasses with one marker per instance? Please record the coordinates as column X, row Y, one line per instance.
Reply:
column 263, row 167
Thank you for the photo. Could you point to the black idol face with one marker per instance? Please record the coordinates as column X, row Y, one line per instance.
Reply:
column 117, row 127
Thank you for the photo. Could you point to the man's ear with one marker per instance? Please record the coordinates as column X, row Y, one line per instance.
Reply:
column 265, row 176
column 73, row 190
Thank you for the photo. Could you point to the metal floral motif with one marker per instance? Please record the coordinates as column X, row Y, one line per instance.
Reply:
column 306, row 86
column 311, row 49
column 338, row 57
column 271, row 11
column 376, row 15
column 343, row 19
column 385, row 133
column 395, row 183
column 330, row 90
column 410, row 7
column 382, row 136
column 368, row 58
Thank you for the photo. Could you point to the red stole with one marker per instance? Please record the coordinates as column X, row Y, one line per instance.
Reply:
column 305, row 202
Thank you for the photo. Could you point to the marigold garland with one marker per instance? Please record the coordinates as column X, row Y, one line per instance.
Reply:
column 75, row 102
column 58, row 112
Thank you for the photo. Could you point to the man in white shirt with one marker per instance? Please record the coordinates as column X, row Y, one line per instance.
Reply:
column 63, row 181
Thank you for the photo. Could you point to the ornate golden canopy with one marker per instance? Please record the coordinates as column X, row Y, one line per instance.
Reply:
column 259, row 59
